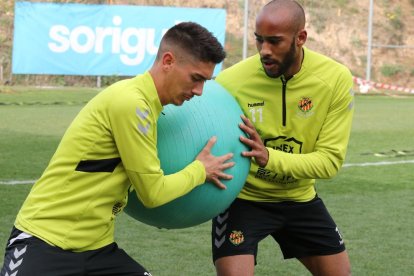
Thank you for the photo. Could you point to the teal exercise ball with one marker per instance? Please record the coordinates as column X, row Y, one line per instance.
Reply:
column 183, row 131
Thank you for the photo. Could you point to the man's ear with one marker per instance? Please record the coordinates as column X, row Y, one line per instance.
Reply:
column 168, row 60
column 301, row 38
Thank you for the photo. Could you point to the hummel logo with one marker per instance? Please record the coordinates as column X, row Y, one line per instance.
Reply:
column 18, row 253
column 20, row 237
column 144, row 129
column 142, row 115
column 218, row 243
column 220, row 231
column 256, row 104
column 13, row 265
column 220, row 218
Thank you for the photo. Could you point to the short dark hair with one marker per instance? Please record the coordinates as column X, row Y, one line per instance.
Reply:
column 195, row 40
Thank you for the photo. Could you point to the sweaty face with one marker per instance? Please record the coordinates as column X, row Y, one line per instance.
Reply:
column 187, row 80
column 276, row 44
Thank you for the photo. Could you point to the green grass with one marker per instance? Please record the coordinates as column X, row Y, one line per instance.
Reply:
column 372, row 205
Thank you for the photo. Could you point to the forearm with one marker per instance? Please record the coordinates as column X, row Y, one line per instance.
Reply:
column 157, row 189
column 304, row 166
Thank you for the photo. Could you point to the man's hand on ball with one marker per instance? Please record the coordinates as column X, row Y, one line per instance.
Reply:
column 215, row 165
column 258, row 150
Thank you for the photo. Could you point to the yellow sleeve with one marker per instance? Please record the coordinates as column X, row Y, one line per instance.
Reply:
column 154, row 190
column 134, row 126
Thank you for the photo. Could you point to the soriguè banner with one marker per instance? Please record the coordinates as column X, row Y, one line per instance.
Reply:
column 80, row 39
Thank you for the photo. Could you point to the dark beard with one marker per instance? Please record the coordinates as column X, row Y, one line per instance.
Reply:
column 286, row 63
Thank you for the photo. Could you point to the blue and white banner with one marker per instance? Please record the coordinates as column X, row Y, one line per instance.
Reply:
column 78, row 39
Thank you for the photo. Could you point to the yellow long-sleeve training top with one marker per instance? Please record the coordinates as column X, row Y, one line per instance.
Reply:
column 304, row 122
column 110, row 145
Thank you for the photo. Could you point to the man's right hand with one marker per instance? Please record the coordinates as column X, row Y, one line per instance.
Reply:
column 215, row 165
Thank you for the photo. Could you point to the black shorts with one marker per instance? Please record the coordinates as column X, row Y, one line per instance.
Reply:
column 30, row 256
column 301, row 229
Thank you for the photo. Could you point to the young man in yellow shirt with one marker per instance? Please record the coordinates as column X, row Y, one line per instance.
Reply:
column 66, row 224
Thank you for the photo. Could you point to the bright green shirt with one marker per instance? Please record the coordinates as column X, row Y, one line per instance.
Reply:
column 304, row 122
column 110, row 147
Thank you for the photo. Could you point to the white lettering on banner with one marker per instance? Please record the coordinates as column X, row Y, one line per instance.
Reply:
column 131, row 43
column 75, row 41
column 58, row 32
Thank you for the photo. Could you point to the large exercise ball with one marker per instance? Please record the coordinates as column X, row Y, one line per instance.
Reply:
column 182, row 133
